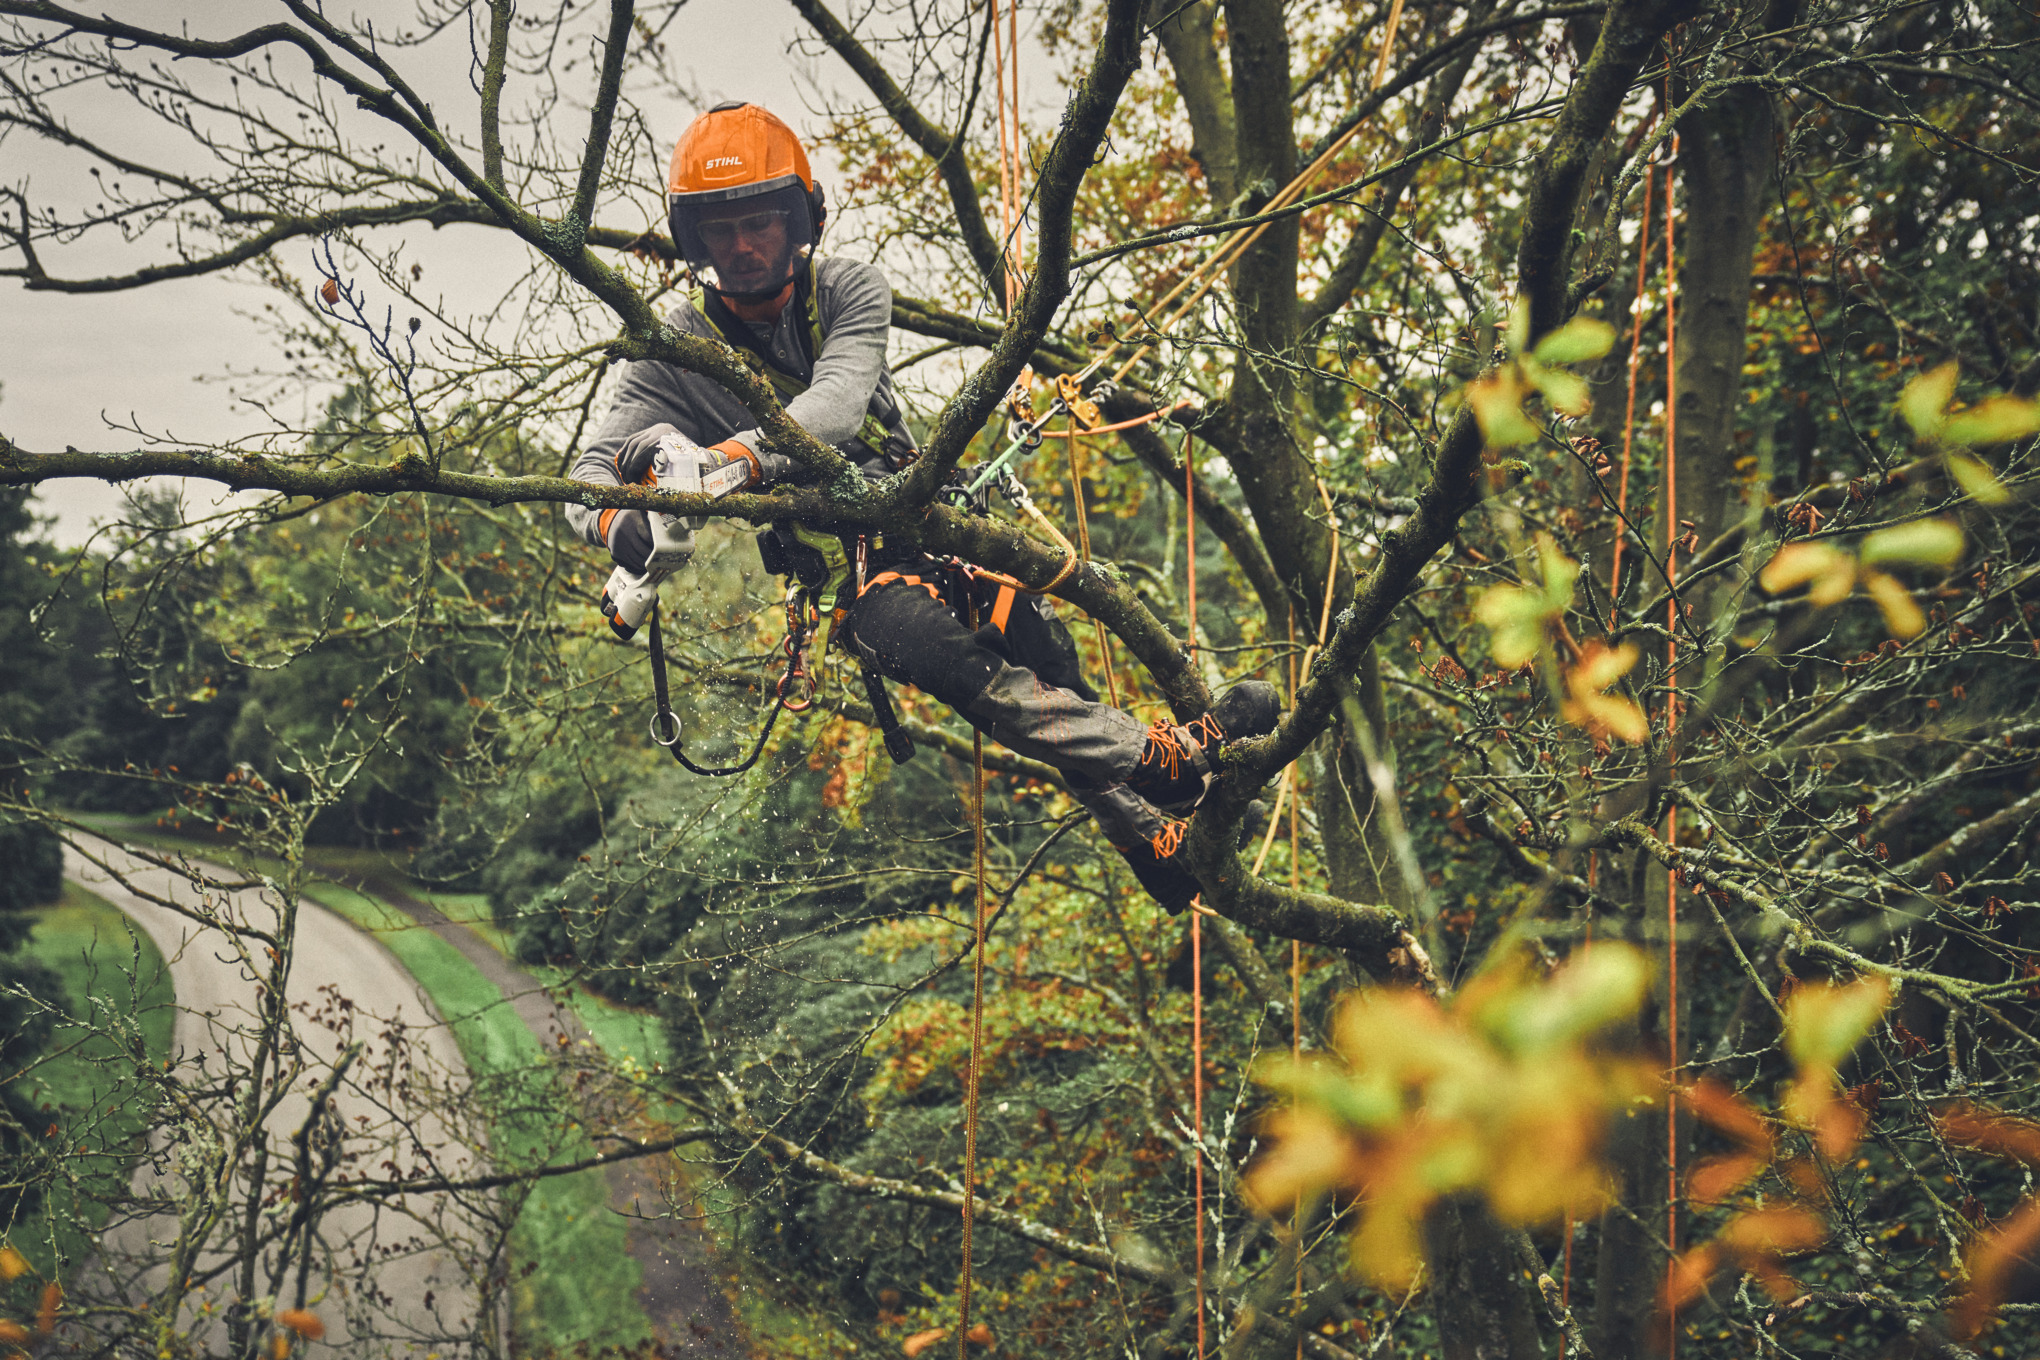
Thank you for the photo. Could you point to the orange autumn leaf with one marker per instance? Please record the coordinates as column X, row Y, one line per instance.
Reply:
column 1774, row 1281
column 1729, row 1112
column 1310, row 1153
column 46, row 1314
column 1715, row 1179
column 1687, row 1279
column 1838, row 1128
column 980, row 1335
column 1989, row 1131
column 1600, row 667
column 1994, row 1263
column 1766, row 1233
column 302, row 1321
column 1753, row 1242
column 13, row 1265
column 13, row 1333
column 921, row 1341
column 279, row 1346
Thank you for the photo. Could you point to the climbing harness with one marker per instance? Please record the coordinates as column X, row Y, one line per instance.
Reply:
column 881, row 431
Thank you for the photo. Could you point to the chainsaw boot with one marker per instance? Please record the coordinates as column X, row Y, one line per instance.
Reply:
column 1159, row 867
column 1151, row 847
column 1178, row 764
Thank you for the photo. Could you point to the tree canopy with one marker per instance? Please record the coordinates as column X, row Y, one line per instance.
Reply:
column 1612, row 425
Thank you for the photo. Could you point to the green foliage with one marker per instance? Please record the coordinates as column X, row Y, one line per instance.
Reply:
column 106, row 1008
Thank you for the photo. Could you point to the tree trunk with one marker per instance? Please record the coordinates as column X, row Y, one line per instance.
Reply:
column 1186, row 35
column 1483, row 1312
column 1359, row 856
column 1630, row 1266
column 1727, row 151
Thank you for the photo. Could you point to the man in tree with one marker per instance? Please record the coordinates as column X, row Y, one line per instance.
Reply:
column 746, row 214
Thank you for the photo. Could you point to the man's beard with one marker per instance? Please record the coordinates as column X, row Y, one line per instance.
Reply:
column 763, row 286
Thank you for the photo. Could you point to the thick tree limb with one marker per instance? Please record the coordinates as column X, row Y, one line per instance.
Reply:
column 1629, row 34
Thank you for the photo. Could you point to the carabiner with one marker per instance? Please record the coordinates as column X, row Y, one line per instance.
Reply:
column 807, row 699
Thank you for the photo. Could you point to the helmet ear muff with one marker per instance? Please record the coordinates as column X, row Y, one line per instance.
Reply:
column 818, row 205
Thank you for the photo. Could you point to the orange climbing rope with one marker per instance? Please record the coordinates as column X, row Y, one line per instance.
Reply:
column 1671, row 731
column 1005, row 63
column 1006, row 58
column 977, row 1023
column 1196, row 917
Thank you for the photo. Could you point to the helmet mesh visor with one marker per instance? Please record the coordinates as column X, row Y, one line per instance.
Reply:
column 746, row 241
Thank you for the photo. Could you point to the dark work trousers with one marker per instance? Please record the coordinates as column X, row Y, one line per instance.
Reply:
column 1014, row 677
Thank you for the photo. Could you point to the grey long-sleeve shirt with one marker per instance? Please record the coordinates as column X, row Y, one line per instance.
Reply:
column 855, row 303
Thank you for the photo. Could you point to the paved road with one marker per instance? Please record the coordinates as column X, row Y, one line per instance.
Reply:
column 390, row 1278
column 684, row 1291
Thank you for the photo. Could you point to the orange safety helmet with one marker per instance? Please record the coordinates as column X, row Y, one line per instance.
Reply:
column 738, row 174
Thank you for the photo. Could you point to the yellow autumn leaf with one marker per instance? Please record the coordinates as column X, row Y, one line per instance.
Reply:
column 1497, row 401
column 1824, row 1021
column 1578, row 340
column 1827, row 569
column 1565, row 393
column 1926, row 397
column 1930, row 542
column 1517, row 334
column 1516, row 618
column 1976, row 479
column 1517, row 615
column 1388, row 1250
column 1901, row 613
column 1996, row 420
column 1309, row 1152
column 13, row 1265
column 1590, row 991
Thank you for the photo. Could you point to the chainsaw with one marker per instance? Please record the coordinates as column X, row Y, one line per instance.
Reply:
column 629, row 597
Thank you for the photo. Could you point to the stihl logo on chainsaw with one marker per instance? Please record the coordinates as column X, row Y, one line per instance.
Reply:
column 718, row 161
column 731, row 476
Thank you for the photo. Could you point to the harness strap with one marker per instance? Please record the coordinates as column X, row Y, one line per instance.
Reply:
column 905, row 578
column 1002, row 607
column 665, row 720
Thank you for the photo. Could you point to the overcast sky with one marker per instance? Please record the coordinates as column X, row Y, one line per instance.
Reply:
column 153, row 356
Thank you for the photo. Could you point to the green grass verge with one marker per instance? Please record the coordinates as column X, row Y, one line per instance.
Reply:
column 115, row 982
column 583, row 1287
column 582, row 1282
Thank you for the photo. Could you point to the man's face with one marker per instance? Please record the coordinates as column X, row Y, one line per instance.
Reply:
column 749, row 249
